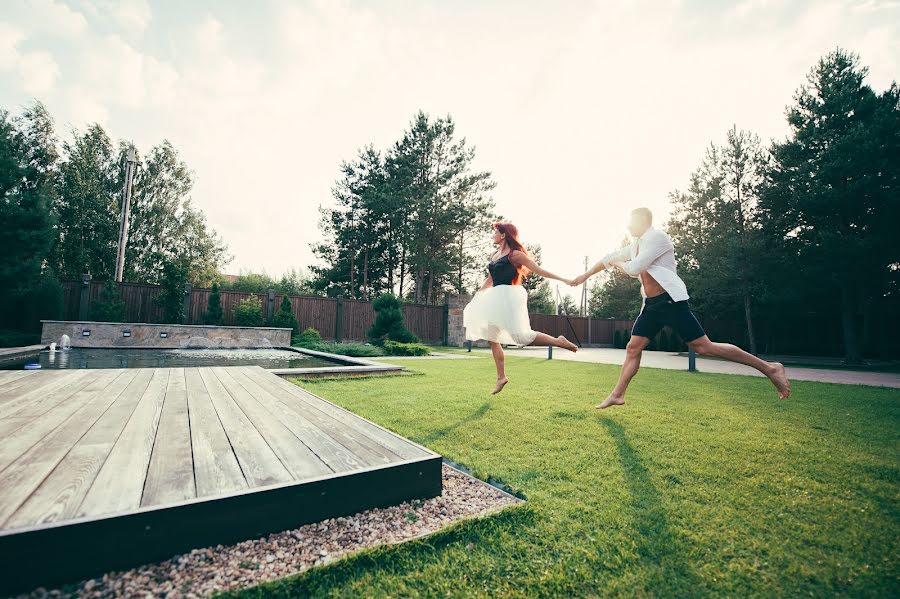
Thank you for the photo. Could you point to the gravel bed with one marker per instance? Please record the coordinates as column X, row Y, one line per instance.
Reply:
column 203, row 572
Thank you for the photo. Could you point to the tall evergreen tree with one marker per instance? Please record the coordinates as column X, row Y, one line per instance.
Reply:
column 831, row 198
column 715, row 227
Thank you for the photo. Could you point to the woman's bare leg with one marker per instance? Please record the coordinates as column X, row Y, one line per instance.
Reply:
column 499, row 362
column 561, row 341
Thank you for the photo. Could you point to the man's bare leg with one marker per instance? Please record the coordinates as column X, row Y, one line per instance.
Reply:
column 500, row 363
column 632, row 363
column 774, row 370
column 561, row 341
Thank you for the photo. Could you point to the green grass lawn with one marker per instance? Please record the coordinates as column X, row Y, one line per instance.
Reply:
column 702, row 484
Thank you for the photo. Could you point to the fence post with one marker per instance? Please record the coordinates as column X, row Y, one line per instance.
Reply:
column 446, row 319
column 339, row 319
column 692, row 360
column 188, row 297
column 270, row 307
column 84, row 297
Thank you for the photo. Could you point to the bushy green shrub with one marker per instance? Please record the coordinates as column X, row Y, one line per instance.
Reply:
column 109, row 305
column 617, row 340
column 248, row 313
column 393, row 348
column 285, row 318
column 389, row 321
column 309, row 335
column 171, row 298
column 213, row 314
column 356, row 350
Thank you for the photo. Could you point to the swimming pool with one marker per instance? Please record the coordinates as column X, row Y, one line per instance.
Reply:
column 82, row 357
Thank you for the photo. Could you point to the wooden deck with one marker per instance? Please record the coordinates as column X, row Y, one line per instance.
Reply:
column 107, row 469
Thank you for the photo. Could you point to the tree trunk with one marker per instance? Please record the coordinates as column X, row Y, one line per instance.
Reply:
column 748, row 316
column 851, row 345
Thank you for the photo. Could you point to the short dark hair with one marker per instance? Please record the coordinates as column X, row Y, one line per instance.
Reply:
column 644, row 213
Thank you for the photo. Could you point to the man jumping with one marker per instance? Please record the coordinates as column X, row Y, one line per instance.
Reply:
column 651, row 258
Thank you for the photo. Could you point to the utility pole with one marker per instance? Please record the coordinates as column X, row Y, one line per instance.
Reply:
column 130, row 164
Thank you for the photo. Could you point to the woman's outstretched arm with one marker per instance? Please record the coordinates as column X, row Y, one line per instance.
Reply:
column 521, row 259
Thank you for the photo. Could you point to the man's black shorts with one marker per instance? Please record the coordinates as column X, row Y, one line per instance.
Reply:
column 662, row 310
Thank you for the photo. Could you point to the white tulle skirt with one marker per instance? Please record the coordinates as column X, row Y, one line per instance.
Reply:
column 499, row 314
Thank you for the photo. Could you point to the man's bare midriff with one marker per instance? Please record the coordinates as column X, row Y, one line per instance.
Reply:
column 651, row 287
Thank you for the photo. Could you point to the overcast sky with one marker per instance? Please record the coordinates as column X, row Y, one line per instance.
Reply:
column 581, row 110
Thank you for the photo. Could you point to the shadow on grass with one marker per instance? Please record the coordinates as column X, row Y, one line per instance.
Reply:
column 443, row 432
column 657, row 546
column 396, row 560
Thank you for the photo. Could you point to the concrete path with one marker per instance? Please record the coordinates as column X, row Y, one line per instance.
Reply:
column 671, row 361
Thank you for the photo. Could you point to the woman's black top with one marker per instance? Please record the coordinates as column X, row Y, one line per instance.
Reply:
column 502, row 271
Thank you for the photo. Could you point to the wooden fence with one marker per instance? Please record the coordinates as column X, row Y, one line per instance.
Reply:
column 324, row 314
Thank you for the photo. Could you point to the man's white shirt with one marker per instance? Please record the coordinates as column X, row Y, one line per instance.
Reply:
column 654, row 254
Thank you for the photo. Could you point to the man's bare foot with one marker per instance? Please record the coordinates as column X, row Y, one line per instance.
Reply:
column 780, row 380
column 566, row 344
column 500, row 384
column 612, row 400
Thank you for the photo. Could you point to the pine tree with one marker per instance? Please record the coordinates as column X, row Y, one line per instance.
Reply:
column 214, row 306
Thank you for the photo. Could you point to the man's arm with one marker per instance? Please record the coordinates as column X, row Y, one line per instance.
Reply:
column 609, row 260
column 651, row 249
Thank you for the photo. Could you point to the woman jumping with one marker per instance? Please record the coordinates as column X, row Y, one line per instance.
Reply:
column 499, row 311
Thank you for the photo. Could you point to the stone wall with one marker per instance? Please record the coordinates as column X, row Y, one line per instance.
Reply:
column 456, row 333
column 161, row 336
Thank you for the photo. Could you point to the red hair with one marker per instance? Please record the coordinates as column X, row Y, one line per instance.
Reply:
column 513, row 243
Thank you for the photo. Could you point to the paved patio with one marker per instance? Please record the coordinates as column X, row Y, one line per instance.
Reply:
column 672, row 361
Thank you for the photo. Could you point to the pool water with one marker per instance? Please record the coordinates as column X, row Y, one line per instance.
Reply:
column 168, row 358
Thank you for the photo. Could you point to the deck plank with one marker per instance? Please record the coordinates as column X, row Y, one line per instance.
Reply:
column 120, row 482
column 25, row 474
column 22, row 439
column 216, row 468
column 258, row 461
column 10, row 376
column 361, row 445
column 335, row 455
column 61, row 493
column 386, row 438
column 46, row 390
column 170, row 476
column 301, row 461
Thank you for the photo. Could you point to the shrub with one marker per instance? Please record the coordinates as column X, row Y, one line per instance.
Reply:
column 213, row 313
column 44, row 301
column 248, row 313
column 285, row 318
column 389, row 321
column 617, row 340
column 663, row 341
column 109, row 305
column 356, row 350
column 309, row 335
column 393, row 348
column 171, row 298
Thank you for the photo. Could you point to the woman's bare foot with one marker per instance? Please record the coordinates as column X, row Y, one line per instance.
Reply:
column 500, row 384
column 612, row 400
column 780, row 380
column 566, row 344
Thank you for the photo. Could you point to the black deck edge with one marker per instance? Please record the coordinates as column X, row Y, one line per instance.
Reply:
column 54, row 555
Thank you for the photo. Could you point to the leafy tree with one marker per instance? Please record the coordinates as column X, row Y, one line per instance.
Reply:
column 285, row 318
column 164, row 226
column 213, row 306
column 830, row 202
column 412, row 219
column 88, row 206
column 568, row 306
column 28, row 160
column 717, row 232
column 248, row 312
column 389, row 321
column 615, row 296
column 109, row 305
column 171, row 297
